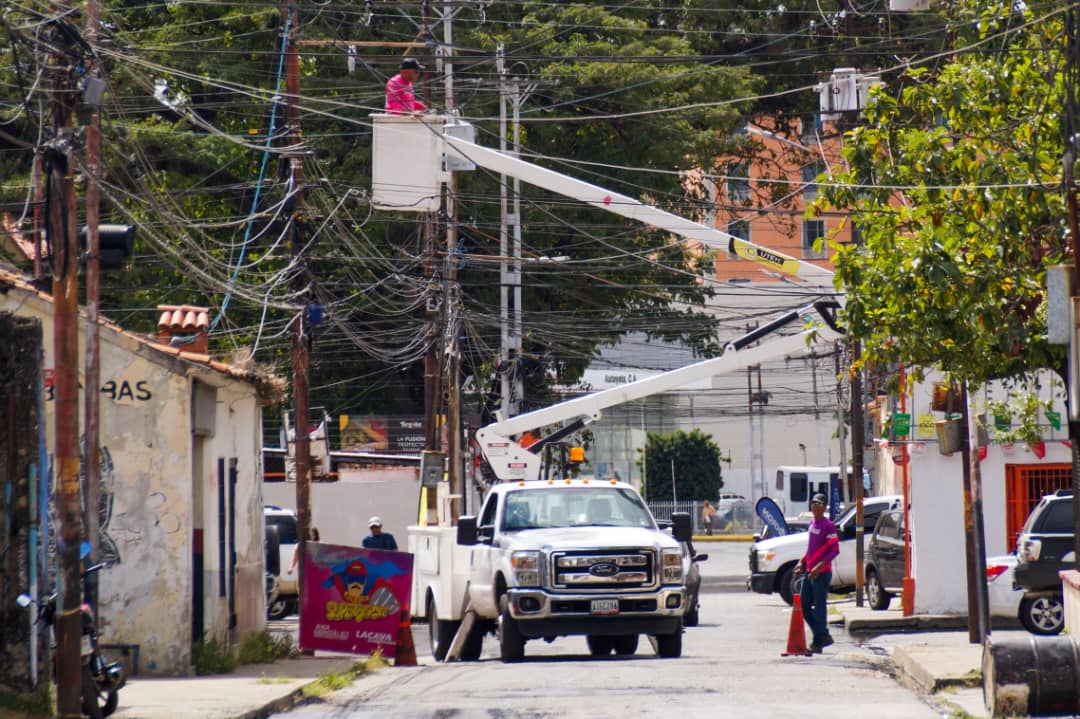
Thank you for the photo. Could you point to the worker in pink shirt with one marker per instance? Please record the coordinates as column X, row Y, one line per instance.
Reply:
column 400, row 99
column 821, row 549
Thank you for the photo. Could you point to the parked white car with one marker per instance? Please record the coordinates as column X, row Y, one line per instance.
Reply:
column 773, row 561
column 1006, row 599
column 284, row 521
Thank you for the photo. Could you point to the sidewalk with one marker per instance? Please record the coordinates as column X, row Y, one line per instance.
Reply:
column 931, row 653
column 252, row 692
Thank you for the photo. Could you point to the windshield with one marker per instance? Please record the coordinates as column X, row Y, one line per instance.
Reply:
column 574, row 506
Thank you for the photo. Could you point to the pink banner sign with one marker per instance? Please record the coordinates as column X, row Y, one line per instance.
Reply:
column 353, row 599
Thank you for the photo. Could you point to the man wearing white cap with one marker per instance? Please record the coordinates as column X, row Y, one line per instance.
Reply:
column 379, row 539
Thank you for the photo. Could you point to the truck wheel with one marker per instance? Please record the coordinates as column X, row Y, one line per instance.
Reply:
column 600, row 645
column 783, row 583
column 690, row 619
column 511, row 643
column 669, row 646
column 1043, row 615
column 875, row 593
column 278, row 609
column 626, row 644
column 474, row 642
column 440, row 632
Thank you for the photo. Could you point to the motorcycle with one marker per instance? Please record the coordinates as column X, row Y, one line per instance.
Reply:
column 101, row 679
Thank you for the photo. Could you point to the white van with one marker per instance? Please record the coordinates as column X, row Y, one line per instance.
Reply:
column 795, row 485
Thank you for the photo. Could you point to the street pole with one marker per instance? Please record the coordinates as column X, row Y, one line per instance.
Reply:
column 91, row 397
column 298, row 330
column 453, row 359
column 1069, row 182
column 857, row 442
column 65, row 290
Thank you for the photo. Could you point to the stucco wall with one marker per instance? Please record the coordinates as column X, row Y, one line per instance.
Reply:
column 148, row 509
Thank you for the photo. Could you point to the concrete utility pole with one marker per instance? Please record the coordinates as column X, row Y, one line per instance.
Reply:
column 61, row 230
column 299, row 332
column 91, row 397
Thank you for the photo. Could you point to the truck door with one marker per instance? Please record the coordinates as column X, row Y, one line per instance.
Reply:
column 481, row 570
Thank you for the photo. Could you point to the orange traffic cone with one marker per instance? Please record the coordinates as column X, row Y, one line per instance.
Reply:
column 405, row 651
column 796, row 639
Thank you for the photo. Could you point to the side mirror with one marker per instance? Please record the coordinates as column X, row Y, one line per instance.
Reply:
column 849, row 532
column 700, row 557
column 681, row 527
column 24, row 600
column 466, row 531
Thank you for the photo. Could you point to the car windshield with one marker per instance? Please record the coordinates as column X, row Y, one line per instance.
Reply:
column 574, row 506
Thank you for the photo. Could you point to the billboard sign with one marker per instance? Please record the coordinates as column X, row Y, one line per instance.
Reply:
column 353, row 599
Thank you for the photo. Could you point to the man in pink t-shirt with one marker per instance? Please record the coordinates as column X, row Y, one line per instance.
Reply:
column 821, row 549
column 400, row 99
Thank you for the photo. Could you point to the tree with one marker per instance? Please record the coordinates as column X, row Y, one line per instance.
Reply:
column 954, row 182
column 688, row 462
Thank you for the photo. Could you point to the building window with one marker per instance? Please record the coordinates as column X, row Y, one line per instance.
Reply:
column 738, row 182
column 812, row 230
column 810, row 174
column 740, row 229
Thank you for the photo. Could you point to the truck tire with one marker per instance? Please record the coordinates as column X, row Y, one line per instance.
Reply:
column 511, row 643
column 691, row 618
column 474, row 642
column 600, row 645
column 626, row 644
column 669, row 646
column 440, row 632
column 783, row 583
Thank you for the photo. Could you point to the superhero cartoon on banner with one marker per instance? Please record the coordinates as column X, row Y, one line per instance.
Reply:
column 353, row 598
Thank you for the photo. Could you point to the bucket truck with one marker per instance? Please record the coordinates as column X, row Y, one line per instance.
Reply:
column 556, row 556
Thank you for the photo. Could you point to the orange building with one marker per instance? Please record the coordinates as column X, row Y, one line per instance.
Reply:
column 764, row 201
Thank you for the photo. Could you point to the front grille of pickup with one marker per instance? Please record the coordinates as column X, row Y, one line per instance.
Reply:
column 603, row 570
column 753, row 560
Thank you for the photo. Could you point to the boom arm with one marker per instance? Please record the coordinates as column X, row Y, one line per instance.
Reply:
column 509, row 460
column 631, row 208
column 406, row 177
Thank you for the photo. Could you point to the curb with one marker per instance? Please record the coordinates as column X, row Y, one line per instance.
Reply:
column 912, row 673
column 723, row 538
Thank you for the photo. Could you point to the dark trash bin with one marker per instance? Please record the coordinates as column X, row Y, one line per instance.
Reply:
column 1032, row 676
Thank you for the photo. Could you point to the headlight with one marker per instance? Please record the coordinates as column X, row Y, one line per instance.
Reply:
column 672, row 565
column 526, row 565
column 764, row 558
column 1030, row 549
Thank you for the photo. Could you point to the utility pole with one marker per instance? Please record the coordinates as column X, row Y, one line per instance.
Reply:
column 1072, row 91
column 453, row 306
column 91, row 396
column 857, row 442
column 65, row 290
column 299, row 331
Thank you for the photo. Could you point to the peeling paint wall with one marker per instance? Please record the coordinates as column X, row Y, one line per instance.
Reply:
column 158, row 480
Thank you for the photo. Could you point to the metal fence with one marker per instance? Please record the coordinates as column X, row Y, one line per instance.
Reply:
column 729, row 519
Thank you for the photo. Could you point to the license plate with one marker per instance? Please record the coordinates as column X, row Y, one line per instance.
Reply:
column 604, row 606
column 87, row 645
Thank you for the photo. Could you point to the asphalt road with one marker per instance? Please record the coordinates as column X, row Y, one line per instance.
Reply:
column 731, row 667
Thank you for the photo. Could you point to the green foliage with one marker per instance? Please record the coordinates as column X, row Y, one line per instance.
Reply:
column 693, row 458
column 209, row 656
column 953, row 180
column 35, row 705
column 264, row 648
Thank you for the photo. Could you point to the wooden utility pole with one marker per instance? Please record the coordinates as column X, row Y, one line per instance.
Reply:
column 299, row 331
column 857, row 441
column 1069, row 181
column 61, row 230
column 453, row 306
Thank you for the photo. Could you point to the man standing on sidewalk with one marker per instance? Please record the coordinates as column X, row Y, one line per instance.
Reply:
column 822, row 548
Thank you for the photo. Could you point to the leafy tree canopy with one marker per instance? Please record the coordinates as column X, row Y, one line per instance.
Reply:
column 954, row 180
column 686, row 462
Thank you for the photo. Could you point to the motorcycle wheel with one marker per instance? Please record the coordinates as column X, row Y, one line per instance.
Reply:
column 91, row 699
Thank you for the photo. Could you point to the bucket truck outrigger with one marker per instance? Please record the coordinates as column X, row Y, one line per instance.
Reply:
column 563, row 556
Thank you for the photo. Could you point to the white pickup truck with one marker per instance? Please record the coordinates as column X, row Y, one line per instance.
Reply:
column 773, row 561
column 550, row 558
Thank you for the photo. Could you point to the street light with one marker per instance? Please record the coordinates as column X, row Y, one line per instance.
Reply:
column 803, row 448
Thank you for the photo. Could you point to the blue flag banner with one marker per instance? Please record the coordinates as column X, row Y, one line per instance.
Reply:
column 772, row 516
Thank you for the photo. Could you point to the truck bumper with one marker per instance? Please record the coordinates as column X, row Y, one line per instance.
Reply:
column 541, row 614
column 762, row 582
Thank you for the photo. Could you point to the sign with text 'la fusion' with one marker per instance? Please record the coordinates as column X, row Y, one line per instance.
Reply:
column 353, row 599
